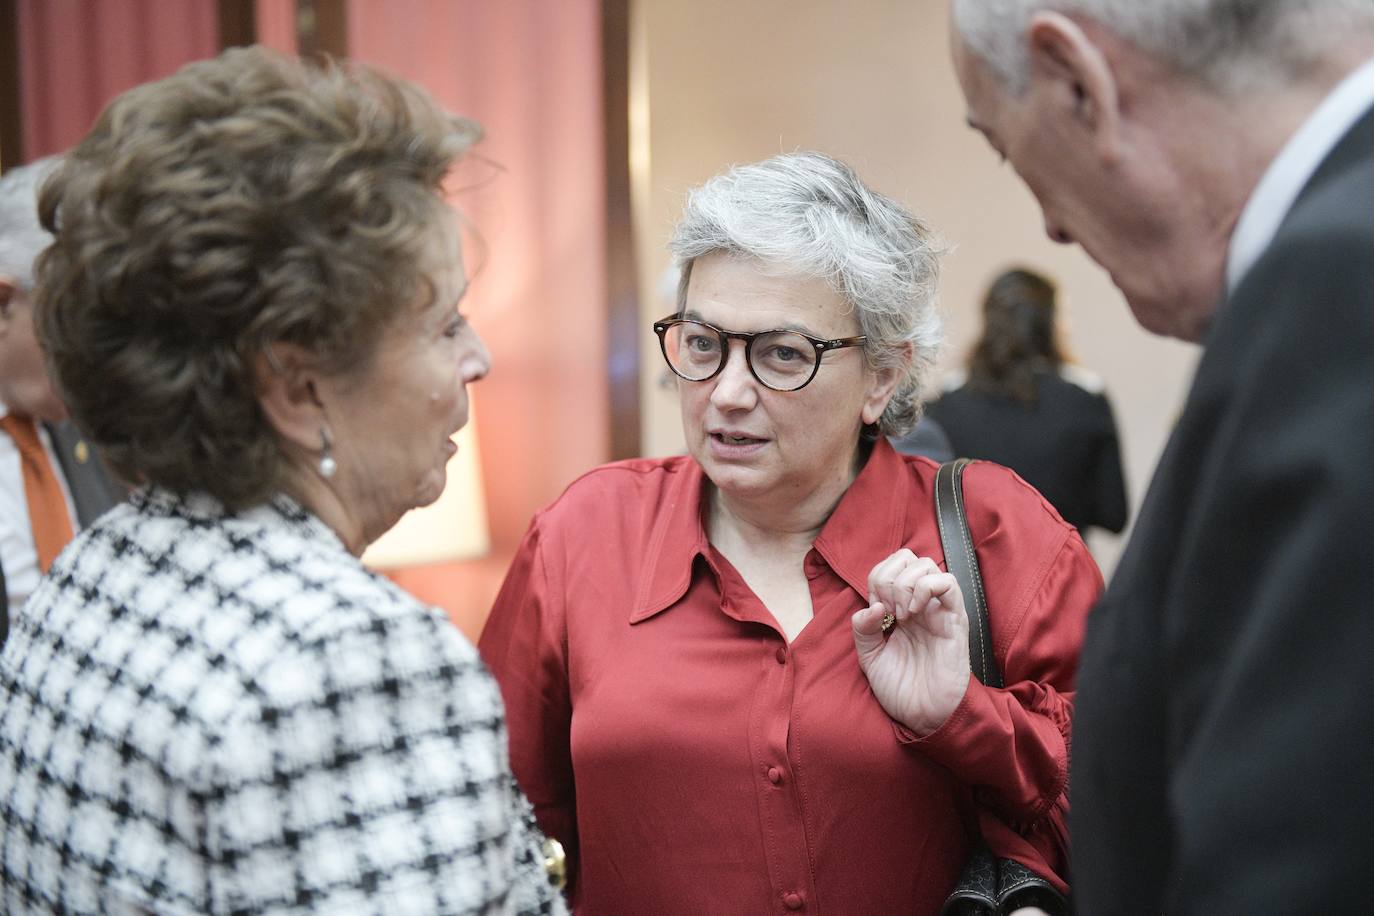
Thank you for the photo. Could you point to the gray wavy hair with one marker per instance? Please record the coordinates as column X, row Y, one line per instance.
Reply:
column 1229, row 45
column 22, row 237
column 809, row 213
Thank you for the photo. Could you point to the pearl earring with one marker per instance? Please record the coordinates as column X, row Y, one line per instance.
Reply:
column 327, row 463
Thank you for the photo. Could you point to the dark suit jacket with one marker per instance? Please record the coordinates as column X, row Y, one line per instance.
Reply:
column 1224, row 738
column 92, row 491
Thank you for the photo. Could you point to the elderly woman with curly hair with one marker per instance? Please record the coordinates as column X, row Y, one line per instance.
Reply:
column 210, row 706
column 676, row 639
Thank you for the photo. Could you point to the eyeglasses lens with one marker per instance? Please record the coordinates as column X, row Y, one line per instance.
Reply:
column 780, row 359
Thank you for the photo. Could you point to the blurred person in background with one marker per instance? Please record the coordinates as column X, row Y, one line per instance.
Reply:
column 926, row 438
column 1021, row 403
column 50, row 481
column 210, row 705
column 676, row 638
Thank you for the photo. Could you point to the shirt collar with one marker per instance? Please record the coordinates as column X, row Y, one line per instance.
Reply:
column 674, row 543
column 1290, row 171
column 868, row 522
column 871, row 518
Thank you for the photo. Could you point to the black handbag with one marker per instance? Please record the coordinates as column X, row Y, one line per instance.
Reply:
column 988, row 886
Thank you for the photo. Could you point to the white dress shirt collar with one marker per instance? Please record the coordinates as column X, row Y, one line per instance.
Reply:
column 1290, row 171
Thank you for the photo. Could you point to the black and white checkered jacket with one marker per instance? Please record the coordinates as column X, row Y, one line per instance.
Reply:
column 212, row 713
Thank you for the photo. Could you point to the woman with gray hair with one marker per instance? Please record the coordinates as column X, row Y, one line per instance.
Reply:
column 676, row 638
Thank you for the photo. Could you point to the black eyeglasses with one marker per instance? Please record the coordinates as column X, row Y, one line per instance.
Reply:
column 780, row 359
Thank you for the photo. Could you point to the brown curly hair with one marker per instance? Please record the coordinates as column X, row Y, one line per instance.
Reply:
column 246, row 199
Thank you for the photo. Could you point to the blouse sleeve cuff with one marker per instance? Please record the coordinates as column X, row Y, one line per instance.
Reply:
column 946, row 744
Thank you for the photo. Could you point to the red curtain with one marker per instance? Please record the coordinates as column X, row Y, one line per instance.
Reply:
column 76, row 55
column 529, row 71
column 276, row 24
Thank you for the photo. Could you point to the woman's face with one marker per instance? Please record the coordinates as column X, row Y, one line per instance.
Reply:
column 393, row 425
column 777, row 447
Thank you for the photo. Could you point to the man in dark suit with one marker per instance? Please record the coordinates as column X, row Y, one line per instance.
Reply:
column 50, row 480
column 1217, row 158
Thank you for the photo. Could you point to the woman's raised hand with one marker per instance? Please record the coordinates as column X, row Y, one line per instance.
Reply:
column 920, row 670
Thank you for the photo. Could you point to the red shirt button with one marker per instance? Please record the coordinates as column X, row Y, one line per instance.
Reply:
column 781, row 656
column 792, row 901
column 775, row 776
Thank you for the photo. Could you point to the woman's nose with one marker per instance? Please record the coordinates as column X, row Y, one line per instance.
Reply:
column 734, row 385
column 476, row 362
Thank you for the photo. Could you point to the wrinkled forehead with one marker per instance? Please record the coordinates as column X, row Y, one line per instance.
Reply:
column 743, row 269
column 743, row 293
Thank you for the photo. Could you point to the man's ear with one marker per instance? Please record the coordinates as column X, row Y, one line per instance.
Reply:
column 287, row 380
column 9, row 289
column 883, row 384
column 1061, row 51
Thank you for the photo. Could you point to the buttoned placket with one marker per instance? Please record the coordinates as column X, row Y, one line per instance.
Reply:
column 772, row 714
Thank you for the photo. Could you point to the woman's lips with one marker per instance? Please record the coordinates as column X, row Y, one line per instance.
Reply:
column 727, row 445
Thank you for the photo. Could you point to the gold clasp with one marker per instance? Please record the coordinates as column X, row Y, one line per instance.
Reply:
column 555, row 862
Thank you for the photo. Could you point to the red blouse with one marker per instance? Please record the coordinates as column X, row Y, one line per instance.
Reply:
column 692, row 761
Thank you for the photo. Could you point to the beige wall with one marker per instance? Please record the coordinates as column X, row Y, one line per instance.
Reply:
column 869, row 81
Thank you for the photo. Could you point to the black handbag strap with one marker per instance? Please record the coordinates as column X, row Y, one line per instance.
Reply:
column 962, row 562
column 988, row 885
